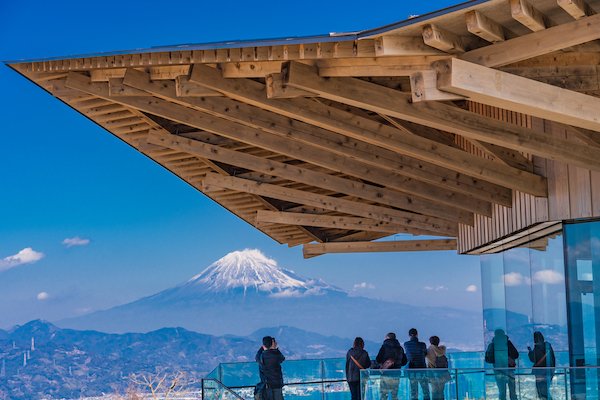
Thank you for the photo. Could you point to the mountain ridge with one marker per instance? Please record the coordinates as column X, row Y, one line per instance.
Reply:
column 42, row 360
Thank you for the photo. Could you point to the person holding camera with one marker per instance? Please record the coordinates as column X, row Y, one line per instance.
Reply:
column 269, row 360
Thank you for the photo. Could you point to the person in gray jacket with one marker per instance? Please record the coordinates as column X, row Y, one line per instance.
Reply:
column 436, row 358
column 356, row 359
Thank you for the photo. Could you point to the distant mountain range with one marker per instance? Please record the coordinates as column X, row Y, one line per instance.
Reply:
column 65, row 363
column 246, row 291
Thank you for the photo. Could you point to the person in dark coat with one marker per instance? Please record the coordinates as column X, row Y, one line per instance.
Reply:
column 416, row 352
column 269, row 360
column 356, row 359
column 392, row 354
column 542, row 357
column 503, row 354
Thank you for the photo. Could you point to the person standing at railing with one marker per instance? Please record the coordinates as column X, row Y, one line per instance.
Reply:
column 416, row 352
column 391, row 356
column 436, row 358
column 503, row 355
column 356, row 359
column 269, row 360
column 542, row 357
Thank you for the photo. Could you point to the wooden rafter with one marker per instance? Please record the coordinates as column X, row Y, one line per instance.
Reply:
column 537, row 43
column 504, row 90
column 482, row 26
column 337, row 222
column 527, row 14
column 313, row 250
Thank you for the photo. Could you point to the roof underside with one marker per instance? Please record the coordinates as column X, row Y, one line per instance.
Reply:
column 413, row 128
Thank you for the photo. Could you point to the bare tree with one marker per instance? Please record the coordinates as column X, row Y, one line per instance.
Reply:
column 160, row 386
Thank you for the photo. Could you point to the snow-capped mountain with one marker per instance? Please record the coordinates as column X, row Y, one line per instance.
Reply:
column 251, row 270
column 246, row 291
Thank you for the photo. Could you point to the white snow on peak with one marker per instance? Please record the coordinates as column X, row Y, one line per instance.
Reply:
column 251, row 269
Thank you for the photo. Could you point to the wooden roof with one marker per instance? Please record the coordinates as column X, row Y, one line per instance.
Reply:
column 342, row 140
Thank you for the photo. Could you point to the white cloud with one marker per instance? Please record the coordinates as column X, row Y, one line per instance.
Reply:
column 25, row 256
column 548, row 276
column 438, row 288
column 75, row 241
column 41, row 296
column 471, row 288
column 287, row 293
column 515, row 279
column 364, row 285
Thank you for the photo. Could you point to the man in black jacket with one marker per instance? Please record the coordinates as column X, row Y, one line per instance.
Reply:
column 269, row 360
column 416, row 352
column 390, row 356
column 502, row 353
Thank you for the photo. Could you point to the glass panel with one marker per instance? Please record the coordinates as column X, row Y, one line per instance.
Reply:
column 548, row 294
column 493, row 294
column 582, row 254
column 517, row 283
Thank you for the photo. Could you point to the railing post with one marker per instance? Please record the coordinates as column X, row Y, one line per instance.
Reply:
column 322, row 380
column 567, row 391
column 456, row 382
column 202, row 388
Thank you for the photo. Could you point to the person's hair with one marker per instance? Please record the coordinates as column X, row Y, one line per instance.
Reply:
column 267, row 341
column 412, row 332
column 538, row 337
column 434, row 340
column 359, row 343
column 390, row 335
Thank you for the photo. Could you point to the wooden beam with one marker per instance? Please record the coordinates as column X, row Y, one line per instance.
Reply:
column 183, row 88
column 311, row 178
column 537, row 43
column 500, row 89
column 214, row 181
column 526, row 14
column 423, row 86
column 443, row 40
column 391, row 102
column 451, row 119
column 116, row 88
column 376, row 66
column 292, row 138
column 356, row 127
column 250, row 69
column 480, row 25
column 313, row 250
column 580, row 78
column 575, row 8
column 334, row 222
column 506, row 156
column 277, row 90
column 390, row 45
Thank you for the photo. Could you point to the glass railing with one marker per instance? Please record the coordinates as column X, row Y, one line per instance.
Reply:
column 468, row 378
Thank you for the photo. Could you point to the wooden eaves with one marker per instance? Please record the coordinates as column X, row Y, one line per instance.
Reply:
column 425, row 127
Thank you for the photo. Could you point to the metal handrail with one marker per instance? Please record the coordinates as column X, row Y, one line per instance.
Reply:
column 228, row 389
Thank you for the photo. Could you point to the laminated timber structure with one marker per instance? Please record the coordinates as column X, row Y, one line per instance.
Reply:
column 478, row 124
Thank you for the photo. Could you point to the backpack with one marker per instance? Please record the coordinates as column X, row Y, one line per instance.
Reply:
column 441, row 362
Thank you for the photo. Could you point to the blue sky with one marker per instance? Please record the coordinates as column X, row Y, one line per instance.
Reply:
column 63, row 177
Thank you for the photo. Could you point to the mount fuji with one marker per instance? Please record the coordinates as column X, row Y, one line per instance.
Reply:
column 246, row 291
